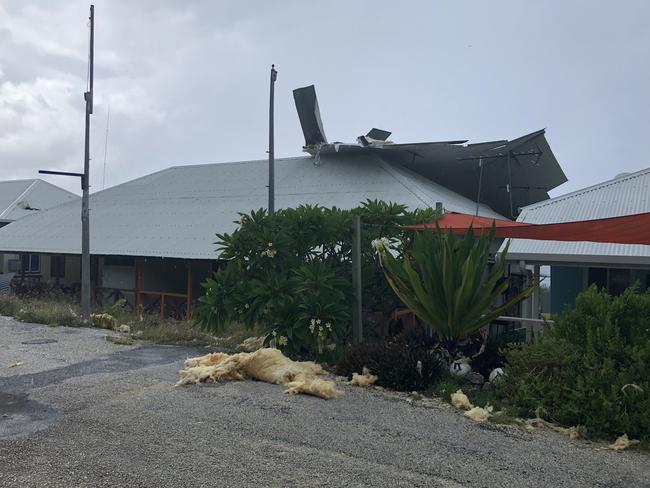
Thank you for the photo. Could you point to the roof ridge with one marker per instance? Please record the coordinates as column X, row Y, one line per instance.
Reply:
column 248, row 161
column 582, row 191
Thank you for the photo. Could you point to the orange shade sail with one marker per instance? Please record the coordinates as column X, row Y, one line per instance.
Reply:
column 629, row 229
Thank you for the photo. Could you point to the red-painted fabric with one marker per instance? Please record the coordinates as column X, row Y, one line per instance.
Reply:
column 629, row 229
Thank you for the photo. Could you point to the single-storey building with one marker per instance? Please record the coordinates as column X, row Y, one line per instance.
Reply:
column 577, row 265
column 152, row 239
column 21, row 198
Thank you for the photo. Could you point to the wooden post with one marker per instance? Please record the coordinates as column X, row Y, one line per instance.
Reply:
column 189, row 290
column 357, row 324
column 162, row 305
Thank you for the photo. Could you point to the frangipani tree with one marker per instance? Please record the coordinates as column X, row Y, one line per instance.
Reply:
column 445, row 281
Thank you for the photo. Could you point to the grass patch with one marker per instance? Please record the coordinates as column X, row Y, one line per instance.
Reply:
column 48, row 311
column 62, row 311
column 120, row 340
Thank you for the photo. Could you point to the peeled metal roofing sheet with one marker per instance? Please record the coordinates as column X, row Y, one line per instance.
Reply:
column 177, row 212
column 37, row 194
column 624, row 195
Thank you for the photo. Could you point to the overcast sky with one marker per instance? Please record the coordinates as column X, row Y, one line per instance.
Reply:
column 187, row 82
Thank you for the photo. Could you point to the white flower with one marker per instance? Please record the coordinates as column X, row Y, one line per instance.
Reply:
column 381, row 245
column 282, row 341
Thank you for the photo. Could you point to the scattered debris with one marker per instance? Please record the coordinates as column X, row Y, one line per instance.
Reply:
column 460, row 367
column 623, row 442
column 104, row 321
column 251, row 344
column 479, row 414
column 460, row 400
column 495, row 374
column 267, row 364
column 17, row 363
column 124, row 328
column 363, row 379
column 572, row 432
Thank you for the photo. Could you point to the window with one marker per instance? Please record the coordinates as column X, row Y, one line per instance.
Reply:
column 619, row 280
column 31, row 263
column 612, row 280
column 13, row 265
column 57, row 266
column 597, row 276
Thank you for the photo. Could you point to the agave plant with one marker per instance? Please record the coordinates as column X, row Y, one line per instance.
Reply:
column 445, row 281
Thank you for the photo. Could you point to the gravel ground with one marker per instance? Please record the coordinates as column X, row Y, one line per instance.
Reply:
column 82, row 412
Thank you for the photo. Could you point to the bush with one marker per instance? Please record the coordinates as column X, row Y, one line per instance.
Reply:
column 395, row 363
column 289, row 274
column 443, row 280
column 591, row 369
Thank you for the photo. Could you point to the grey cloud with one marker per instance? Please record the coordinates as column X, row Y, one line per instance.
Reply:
column 187, row 82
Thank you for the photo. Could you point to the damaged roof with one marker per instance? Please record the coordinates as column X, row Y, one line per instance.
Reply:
column 19, row 198
column 626, row 194
column 506, row 175
column 177, row 212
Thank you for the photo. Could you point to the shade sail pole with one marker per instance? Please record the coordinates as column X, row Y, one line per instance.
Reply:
column 357, row 323
column 274, row 76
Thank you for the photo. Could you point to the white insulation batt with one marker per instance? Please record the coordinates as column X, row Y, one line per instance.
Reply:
column 268, row 365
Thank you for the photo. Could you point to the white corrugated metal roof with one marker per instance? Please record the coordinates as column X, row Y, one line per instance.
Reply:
column 624, row 195
column 177, row 212
column 19, row 198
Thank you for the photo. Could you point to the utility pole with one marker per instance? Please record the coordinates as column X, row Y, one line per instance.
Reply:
column 85, row 214
column 85, row 178
column 274, row 76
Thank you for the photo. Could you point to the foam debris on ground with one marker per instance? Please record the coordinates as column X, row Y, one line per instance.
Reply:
column 267, row 364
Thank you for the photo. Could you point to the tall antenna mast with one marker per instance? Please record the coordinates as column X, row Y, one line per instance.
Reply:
column 85, row 184
column 274, row 76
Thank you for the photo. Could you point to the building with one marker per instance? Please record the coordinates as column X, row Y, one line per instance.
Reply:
column 21, row 198
column 577, row 265
column 152, row 239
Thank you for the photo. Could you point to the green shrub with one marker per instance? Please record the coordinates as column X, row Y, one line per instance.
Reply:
column 289, row 274
column 591, row 369
column 445, row 280
column 395, row 363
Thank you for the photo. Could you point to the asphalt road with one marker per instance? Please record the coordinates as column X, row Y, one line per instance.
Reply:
column 83, row 412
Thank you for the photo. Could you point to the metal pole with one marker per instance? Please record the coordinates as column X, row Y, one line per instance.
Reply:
column 274, row 76
column 512, row 213
column 357, row 324
column 85, row 213
column 480, row 182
